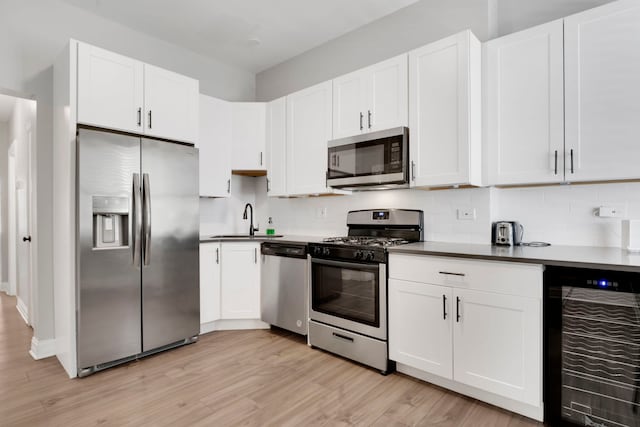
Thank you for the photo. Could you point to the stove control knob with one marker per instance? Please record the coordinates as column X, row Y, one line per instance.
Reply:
column 359, row 255
column 326, row 251
column 317, row 250
column 369, row 256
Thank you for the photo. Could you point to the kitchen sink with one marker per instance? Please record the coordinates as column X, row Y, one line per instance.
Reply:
column 246, row 236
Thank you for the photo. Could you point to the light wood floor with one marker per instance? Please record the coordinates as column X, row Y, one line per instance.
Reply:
column 249, row 378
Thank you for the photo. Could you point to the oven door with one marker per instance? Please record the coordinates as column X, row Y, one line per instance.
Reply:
column 377, row 158
column 349, row 295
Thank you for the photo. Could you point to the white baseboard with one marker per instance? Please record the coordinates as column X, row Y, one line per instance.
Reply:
column 41, row 349
column 535, row 412
column 4, row 287
column 232, row 325
column 23, row 310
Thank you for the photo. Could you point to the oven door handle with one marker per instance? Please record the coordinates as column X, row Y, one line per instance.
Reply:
column 359, row 265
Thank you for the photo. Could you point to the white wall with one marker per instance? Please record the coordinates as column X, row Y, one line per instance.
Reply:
column 406, row 29
column 32, row 34
column 4, row 147
column 224, row 215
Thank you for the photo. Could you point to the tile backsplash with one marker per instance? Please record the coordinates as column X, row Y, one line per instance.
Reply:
column 561, row 214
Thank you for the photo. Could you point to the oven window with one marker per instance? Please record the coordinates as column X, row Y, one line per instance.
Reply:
column 351, row 293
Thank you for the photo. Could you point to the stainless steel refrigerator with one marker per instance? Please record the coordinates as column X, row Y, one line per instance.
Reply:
column 137, row 247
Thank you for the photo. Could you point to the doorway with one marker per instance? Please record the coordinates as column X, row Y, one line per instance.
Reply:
column 17, row 202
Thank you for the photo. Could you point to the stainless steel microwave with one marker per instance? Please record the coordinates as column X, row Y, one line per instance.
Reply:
column 372, row 161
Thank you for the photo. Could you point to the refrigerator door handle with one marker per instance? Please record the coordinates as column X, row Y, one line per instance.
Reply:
column 146, row 190
column 137, row 215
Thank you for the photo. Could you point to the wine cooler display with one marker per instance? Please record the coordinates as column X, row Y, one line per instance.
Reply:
column 592, row 347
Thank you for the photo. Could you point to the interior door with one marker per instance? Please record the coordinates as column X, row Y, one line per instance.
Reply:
column 171, row 224
column 109, row 279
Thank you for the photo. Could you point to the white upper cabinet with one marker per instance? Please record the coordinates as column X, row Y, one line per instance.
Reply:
column 121, row 93
column 444, row 112
column 277, row 147
column 214, row 143
column 249, row 136
column 110, row 90
column 308, row 131
column 171, row 105
column 524, row 106
column 371, row 99
column 602, row 93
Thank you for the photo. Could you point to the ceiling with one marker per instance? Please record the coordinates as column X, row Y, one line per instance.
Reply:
column 6, row 107
column 251, row 34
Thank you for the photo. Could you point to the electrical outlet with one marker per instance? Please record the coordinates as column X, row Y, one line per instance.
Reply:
column 466, row 214
column 606, row 212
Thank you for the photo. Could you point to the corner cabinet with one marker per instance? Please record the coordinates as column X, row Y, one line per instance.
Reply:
column 308, row 131
column 277, row 147
column 444, row 112
column 371, row 99
column 524, row 106
column 472, row 326
column 240, row 294
column 248, row 136
column 121, row 93
column 214, row 143
column 602, row 89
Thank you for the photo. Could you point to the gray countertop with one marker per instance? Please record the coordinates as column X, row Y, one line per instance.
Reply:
column 568, row 256
column 287, row 238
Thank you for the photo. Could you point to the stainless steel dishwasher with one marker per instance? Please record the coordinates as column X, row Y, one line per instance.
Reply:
column 285, row 286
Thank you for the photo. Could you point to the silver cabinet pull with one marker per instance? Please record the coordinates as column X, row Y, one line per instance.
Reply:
column 255, row 255
column 571, row 155
column 361, row 117
column 343, row 337
column 413, row 171
column 146, row 192
column 261, row 158
column 458, row 309
column 137, row 215
column 268, row 188
column 228, row 186
column 555, row 170
column 448, row 273
column 444, row 307
column 217, row 255
column 149, row 119
column 139, row 116
column 369, row 118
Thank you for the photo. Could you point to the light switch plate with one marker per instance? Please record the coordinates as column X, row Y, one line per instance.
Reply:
column 466, row 214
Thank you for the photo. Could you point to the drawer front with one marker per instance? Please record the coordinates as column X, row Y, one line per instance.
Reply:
column 366, row 350
column 492, row 276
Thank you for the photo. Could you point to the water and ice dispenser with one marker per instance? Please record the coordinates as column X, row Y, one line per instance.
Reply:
column 110, row 222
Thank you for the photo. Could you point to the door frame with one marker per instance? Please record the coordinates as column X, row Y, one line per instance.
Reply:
column 12, row 223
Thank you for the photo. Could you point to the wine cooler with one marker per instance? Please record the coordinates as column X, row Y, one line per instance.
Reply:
column 592, row 339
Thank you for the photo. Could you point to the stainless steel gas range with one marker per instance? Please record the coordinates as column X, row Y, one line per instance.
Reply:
column 348, row 284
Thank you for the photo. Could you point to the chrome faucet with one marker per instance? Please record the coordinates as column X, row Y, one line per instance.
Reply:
column 252, row 230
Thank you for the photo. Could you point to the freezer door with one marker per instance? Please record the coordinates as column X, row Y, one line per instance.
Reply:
column 108, row 285
column 171, row 223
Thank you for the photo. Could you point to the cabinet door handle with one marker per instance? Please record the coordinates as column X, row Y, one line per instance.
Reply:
column 149, row 119
column 255, row 255
column 444, row 307
column 261, row 158
column 268, row 189
column 139, row 116
column 413, row 171
column 555, row 169
column 457, row 309
column 369, row 118
column 571, row 155
column 361, row 117
column 228, row 186
column 217, row 255
column 448, row 273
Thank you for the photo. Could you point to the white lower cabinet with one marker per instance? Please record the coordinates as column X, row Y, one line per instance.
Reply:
column 415, row 306
column 240, row 294
column 209, row 282
column 476, row 328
